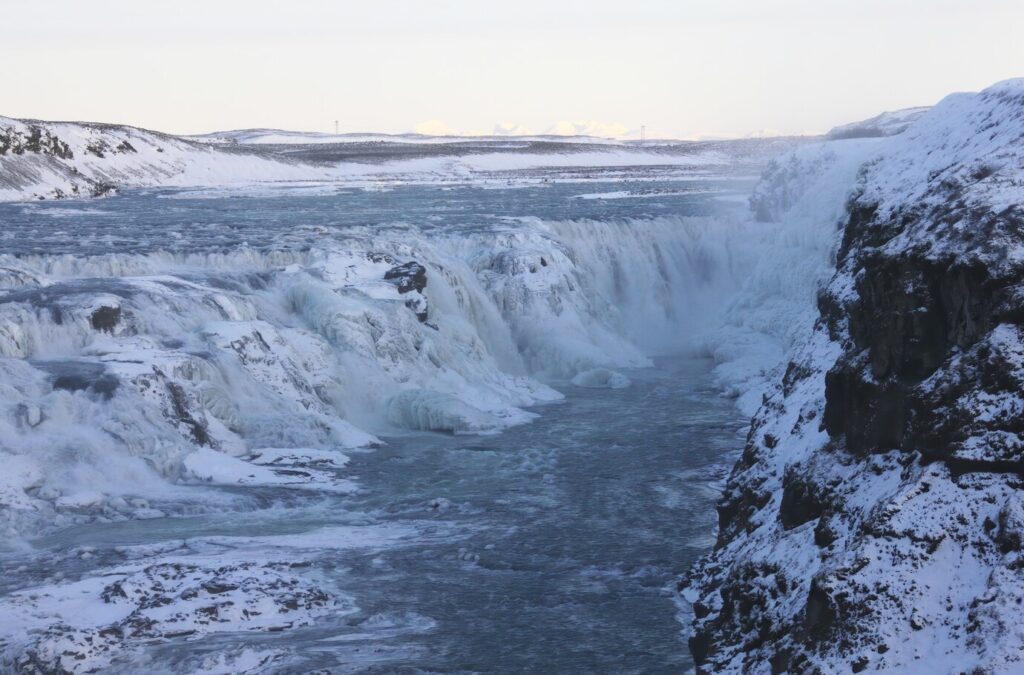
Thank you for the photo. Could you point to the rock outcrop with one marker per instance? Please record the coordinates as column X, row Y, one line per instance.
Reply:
column 873, row 522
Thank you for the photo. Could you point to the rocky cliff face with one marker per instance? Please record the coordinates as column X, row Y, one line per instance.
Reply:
column 875, row 519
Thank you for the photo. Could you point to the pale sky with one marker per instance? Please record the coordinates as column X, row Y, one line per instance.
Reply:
column 683, row 68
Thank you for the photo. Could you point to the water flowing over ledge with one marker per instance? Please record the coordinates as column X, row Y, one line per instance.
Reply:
column 136, row 361
column 176, row 381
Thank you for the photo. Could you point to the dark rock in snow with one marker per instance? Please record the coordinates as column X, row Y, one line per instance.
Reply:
column 105, row 318
column 411, row 277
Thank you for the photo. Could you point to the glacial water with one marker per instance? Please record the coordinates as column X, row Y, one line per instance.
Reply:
column 547, row 546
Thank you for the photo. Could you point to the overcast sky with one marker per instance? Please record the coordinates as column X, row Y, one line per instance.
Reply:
column 684, row 68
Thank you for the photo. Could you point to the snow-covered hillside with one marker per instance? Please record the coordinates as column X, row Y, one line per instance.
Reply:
column 64, row 159
column 875, row 519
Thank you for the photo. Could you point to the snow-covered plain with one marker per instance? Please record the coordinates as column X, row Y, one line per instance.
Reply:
column 285, row 137
column 53, row 160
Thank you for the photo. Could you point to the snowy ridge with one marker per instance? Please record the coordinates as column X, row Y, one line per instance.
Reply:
column 885, row 124
column 873, row 522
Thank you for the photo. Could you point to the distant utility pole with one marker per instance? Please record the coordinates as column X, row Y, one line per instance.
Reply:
column 335, row 127
column 643, row 133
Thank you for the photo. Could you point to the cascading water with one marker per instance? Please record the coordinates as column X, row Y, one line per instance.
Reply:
column 297, row 348
column 185, row 380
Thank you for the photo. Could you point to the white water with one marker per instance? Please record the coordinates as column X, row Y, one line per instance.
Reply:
column 315, row 349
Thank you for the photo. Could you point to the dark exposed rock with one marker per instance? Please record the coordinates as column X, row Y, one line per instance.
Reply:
column 1010, row 532
column 183, row 414
column 100, row 189
column 803, row 499
column 81, row 376
column 409, row 277
column 37, row 141
column 378, row 257
column 105, row 318
column 98, row 148
column 821, row 613
column 824, row 533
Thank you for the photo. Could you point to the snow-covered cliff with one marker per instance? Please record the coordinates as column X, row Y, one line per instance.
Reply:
column 875, row 519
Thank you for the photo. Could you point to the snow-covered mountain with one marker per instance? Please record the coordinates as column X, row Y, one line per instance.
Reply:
column 875, row 521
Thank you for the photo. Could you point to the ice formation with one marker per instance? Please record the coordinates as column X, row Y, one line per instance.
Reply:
column 128, row 378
